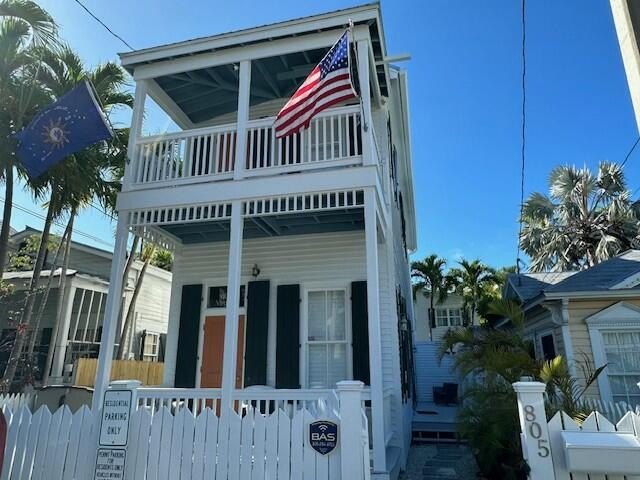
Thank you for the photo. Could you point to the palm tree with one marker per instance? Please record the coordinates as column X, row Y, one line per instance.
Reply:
column 585, row 219
column 147, row 254
column 78, row 179
column 471, row 281
column 24, row 26
column 431, row 280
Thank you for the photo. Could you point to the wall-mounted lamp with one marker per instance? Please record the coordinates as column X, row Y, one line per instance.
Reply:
column 255, row 271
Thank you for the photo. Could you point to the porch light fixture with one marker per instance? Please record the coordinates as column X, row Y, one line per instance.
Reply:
column 255, row 271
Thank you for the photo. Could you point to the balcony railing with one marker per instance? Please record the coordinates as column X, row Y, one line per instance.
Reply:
column 333, row 138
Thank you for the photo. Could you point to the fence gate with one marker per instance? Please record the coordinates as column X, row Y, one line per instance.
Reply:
column 561, row 449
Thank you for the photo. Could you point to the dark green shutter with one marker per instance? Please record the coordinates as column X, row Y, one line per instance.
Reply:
column 187, row 355
column 257, row 329
column 360, row 332
column 288, row 337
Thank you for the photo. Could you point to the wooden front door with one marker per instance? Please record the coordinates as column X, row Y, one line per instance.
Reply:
column 213, row 352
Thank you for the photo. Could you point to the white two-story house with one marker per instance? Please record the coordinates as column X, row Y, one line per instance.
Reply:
column 291, row 269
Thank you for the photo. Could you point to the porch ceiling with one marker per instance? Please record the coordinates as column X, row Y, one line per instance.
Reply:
column 271, row 226
column 211, row 92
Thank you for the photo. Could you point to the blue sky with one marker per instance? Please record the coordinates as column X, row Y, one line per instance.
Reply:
column 464, row 92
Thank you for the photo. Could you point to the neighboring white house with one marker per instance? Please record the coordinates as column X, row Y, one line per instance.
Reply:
column 302, row 241
column 431, row 370
column 85, row 292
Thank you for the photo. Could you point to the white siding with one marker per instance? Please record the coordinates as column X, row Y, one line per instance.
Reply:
column 430, row 370
column 421, row 324
column 310, row 260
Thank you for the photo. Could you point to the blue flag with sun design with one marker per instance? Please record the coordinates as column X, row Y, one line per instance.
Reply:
column 75, row 121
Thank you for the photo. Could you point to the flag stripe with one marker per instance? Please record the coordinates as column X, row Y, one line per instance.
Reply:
column 291, row 107
column 310, row 108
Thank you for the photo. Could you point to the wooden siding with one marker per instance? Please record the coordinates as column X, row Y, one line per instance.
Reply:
column 331, row 259
column 90, row 264
column 579, row 310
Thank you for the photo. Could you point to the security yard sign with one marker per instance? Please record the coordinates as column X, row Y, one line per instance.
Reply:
column 115, row 418
column 323, row 436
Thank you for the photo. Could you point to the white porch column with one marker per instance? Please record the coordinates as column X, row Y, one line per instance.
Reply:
column 110, row 322
column 232, row 310
column 131, row 166
column 375, row 345
column 244, row 88
column 365, row 98
column 61, row 339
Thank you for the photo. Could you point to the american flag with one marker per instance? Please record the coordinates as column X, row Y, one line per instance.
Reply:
column 327, row 84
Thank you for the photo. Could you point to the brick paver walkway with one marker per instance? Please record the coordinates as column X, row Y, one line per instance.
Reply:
column 440, row 462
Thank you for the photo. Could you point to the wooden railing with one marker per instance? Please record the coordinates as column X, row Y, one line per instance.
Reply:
column 263, row 400
column 333, row 138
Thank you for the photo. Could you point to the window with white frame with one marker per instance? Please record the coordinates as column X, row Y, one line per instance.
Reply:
column 326, row 343
column 622, row 351
column 150, row 347
column 448, row 317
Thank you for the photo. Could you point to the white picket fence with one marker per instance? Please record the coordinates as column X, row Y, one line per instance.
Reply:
column 168, row 444
column 614, row 411
column 562, row 449
column 17, row 400
column 45, row 446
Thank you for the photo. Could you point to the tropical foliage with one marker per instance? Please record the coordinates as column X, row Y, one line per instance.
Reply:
column 473, row 280
column 429, row 279
column 491, row 360
column 586, row 218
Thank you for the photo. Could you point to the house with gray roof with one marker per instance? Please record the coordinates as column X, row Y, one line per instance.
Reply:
column 591, row 317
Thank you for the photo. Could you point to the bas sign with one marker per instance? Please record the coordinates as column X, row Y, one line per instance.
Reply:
column 323, row 436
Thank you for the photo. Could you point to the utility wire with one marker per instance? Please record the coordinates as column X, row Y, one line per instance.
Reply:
column 75, row 230
column 630, row 152
column 104, row 25
column 523, row 131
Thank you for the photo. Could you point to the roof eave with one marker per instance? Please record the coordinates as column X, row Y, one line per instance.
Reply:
column 359, row 14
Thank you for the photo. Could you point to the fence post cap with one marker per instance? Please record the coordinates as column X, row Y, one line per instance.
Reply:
column 124, row 384
column 529, row 387
column 350, row 386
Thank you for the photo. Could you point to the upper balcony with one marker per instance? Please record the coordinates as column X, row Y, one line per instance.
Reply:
column 222, row 94
column 208, row 154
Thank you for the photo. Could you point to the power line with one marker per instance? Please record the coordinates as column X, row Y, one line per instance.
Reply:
column 630, row 152
column 104, row 25
column 43, row 218
column 523, row 131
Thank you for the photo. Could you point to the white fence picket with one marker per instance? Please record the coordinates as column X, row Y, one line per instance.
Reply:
column 246, row 463
column 235, row 425
column 297, row 444
column 259, row 446
column 21, row 443
column 309, row 455
column 144, row 437
column 165, row 444
column 39, row 459
column 188, row 430
column 175, row 452
column 212, row 446
column 199, row 438
column 271, row 469
column 154, row 445
column 284, row 445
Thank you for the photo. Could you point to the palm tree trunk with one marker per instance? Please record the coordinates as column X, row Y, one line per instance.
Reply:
column 131, row 309
column 6, row 218
column 18, row 344
column 431, row 314
column 125, row 278
column 64, row 291
column 45, row 295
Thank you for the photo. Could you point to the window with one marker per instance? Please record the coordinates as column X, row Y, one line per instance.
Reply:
column 150, row 346
column 622, row 350
column 326, row 338
column 548, row 347
column 217, row 297
column 448, row 317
